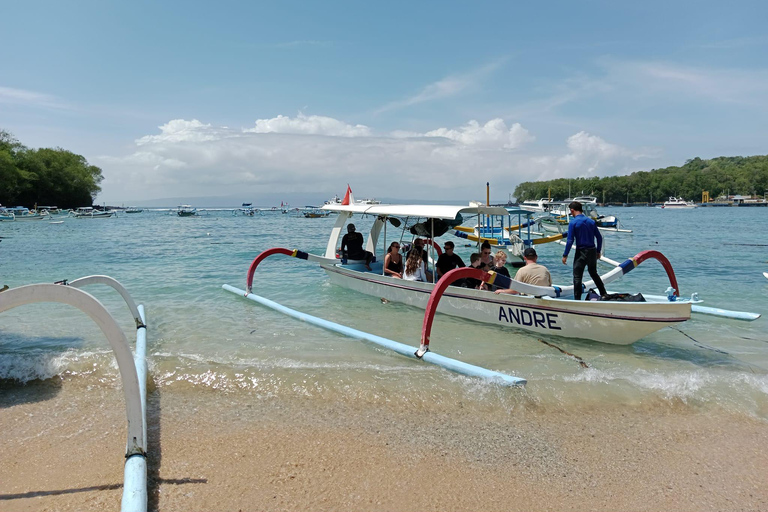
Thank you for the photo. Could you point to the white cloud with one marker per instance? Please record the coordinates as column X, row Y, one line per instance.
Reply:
column 719, row 85
column 318, row 155
column 180, row 130
column 445, row 88
column 310, row 125
column 493, row 134
column 10, row 95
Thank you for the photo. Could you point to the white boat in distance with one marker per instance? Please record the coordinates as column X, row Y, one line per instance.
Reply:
column 542, row 310
column 186, row 210
column 677, row 203
column 542, row 205
column 87, row 212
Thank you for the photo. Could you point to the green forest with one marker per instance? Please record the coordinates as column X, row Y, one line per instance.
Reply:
column 46, row 177
column 718, row 176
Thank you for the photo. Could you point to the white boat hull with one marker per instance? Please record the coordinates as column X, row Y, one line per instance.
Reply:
column 618, row 323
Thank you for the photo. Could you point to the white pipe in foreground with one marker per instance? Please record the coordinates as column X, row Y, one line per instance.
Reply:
column 408, row 351
column 135, row 480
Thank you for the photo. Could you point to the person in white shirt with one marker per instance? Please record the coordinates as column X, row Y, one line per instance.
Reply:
column 414, row 267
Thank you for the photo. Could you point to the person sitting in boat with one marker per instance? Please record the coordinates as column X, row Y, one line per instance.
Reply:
column 419, row 244
column 393, row 261
column 486, row 260
column 471, row 282
column 449, row 260
column 531, row 273
column 499, row 265
column 353, row 242
column 414, row 266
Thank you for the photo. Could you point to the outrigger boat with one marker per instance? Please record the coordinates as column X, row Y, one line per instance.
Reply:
column 22, row 213
column 87, row 212
column 505, row 233
column 186, row 210
column 541, row 310
column 559, row 216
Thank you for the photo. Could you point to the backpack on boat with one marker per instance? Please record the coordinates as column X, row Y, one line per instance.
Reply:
column 617, row 297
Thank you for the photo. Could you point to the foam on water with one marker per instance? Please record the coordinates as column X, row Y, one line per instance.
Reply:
column 202, row 338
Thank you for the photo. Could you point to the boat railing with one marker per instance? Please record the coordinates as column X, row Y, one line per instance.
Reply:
column 131, row 365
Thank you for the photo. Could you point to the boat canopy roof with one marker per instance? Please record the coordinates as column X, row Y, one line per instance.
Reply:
column 430, row 211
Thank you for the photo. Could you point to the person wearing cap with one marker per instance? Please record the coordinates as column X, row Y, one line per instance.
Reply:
column 448, row 261
column 583, row 231
column 531, row 273
column 353, row 242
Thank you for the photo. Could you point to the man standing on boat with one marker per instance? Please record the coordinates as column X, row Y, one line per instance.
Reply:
column 584, row 232
column 353, row 243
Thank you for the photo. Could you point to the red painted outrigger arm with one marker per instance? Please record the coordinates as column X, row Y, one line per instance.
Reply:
column 437, row 292
column 269, row 252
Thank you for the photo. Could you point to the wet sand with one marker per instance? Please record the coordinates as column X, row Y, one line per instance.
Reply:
column 64, row 444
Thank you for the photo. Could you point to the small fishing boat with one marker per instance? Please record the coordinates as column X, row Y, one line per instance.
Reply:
column 314, row 212
column 133, row 209
column 87, row 212
column 21, row 213
column 765, row 275
column 559, row 217
column 541, row 310
column 186, row 210
column 677, row 203
column 247, row 210
column 6, row 215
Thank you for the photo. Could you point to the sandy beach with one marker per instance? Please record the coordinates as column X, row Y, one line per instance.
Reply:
column 211, row 451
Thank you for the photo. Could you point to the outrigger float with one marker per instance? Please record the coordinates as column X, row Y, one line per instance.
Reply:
column 132, row 366
column 541, row 310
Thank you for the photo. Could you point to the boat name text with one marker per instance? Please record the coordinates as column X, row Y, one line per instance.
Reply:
column 528, row 318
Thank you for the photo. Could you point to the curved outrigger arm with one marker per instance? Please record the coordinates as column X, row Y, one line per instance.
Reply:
column 528, row 289
column 294, row 253
column 30, row 294
column 106, row 280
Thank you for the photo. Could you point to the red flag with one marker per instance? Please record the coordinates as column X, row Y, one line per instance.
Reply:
column 347, row 196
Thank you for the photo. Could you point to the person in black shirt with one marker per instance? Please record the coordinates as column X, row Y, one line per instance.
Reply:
column 353, row 242
column 448, row 260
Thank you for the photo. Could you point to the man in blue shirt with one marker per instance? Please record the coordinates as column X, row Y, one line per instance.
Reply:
column 584, row 232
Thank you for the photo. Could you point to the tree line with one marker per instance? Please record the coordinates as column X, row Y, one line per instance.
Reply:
column 46, row 177
column 718, row 176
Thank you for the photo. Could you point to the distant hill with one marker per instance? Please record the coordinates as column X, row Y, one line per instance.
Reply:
column 726, row 174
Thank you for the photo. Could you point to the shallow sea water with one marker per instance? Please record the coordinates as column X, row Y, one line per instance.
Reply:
column 202, row 338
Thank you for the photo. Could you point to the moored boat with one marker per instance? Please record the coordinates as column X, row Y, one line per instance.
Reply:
column 88, row 212
column 542, row 310
column 677, row 203
column 186, row 210
column 6, row 215
column 542, row 205
column 133, row 209
column 21, row 213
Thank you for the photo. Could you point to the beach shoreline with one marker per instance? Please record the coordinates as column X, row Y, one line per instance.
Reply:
column 217, row 451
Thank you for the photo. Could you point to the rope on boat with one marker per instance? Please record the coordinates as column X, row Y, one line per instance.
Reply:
column 580, row 360
column 698, row 343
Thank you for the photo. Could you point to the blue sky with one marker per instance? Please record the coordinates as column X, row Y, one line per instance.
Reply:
column 404, row 100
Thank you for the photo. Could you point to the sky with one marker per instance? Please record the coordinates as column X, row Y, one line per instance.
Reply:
column 292, row 101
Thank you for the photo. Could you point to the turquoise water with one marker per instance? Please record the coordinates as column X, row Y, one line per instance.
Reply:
column 203, row 338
